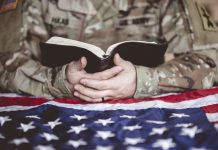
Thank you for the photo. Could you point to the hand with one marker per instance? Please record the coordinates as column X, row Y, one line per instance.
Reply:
column 75, row 72
column 123, row 85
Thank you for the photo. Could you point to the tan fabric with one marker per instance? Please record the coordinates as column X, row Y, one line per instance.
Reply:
column 205, row 31
column 10, row 29
column 190, row 71
column 104, row 23
column 19, row 71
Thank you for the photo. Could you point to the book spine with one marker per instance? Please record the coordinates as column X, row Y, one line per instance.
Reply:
column 106, row 62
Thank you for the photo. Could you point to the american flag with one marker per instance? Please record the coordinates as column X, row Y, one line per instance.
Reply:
column 175, row 121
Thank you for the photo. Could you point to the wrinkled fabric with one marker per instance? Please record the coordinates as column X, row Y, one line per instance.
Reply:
column 197, row 70
column 103, row 23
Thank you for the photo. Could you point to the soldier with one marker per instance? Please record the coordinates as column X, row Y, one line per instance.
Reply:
column 22, row 27
column 185, row 24
column 190, row 33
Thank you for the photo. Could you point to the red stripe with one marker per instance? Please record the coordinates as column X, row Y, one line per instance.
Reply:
column 21, row 101
column 29, row 101
column 215, row 122
column 211, row 108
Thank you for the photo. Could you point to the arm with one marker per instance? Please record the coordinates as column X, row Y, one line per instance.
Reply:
column 19, row 69
column 25, row 76
column 196, row 70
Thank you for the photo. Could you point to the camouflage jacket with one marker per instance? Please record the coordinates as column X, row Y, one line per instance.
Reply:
column 101, row 23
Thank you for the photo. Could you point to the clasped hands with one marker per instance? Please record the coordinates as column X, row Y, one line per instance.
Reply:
column 117, row 82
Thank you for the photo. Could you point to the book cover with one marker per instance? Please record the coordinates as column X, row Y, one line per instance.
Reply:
column 58, row 51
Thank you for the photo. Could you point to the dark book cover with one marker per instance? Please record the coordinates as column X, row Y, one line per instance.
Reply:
column 139, row 53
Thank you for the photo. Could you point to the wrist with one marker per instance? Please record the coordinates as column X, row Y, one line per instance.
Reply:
column 134, row 82
column 62, row 82
column 147, row 82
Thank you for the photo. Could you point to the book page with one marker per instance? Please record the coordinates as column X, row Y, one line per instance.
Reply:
column 68, row 42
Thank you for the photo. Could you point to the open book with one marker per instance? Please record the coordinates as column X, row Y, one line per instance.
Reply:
column 58, row 51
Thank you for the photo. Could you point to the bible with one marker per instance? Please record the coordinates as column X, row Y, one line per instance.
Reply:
column 58, row 51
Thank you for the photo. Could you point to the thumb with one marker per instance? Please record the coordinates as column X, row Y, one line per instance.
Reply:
column 78, row 65
column 83, row 62
column 118, row 61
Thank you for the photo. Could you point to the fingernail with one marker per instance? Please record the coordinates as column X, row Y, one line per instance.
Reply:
column 118, row 56
column 76, row 94
column 83, row 81
column 76, row 87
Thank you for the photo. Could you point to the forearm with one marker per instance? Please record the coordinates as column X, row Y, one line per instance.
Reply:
column 189, row 71
column 34, row 79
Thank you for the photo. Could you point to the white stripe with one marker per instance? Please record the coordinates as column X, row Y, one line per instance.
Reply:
column 195, row 103
column 9, row 95
column 216, row 127
column 212, row 117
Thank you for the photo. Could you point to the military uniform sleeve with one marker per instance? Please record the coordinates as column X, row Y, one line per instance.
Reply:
column 194, row 37
column 31, row 78
column 20, row 69
column 195, row 70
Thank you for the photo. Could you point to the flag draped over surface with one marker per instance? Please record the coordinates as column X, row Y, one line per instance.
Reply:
column 175, row 121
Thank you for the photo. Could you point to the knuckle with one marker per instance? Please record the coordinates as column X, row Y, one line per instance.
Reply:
column 91, row 94
column 80, row 88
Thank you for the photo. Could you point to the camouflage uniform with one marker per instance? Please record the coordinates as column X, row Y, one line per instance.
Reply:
column 103, row 23
column 191, row 33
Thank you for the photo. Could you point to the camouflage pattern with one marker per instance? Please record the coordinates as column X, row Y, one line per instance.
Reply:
column 102, row 23
column 195, row 70
column 191, row 33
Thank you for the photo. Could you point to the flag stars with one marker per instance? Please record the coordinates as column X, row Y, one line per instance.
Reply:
column 19, row 141
column 165, row 144
column 26, row 127
column 77, row 129
column 53, row 124
column 133, row 141
column 1, row 136
column 128, row 117
column 49, row 137
column 191, row 132
column 76, row 143
column 33, row 117
column 175, row 115
column 159, row 131
column 104, row 122
column 132, row 128
column 3, row 120
column 156, row 122
column 104, row 148
column 184, row 125
column 105, row 134
column 44, row 147
column 78, row 117
column 135, row 148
